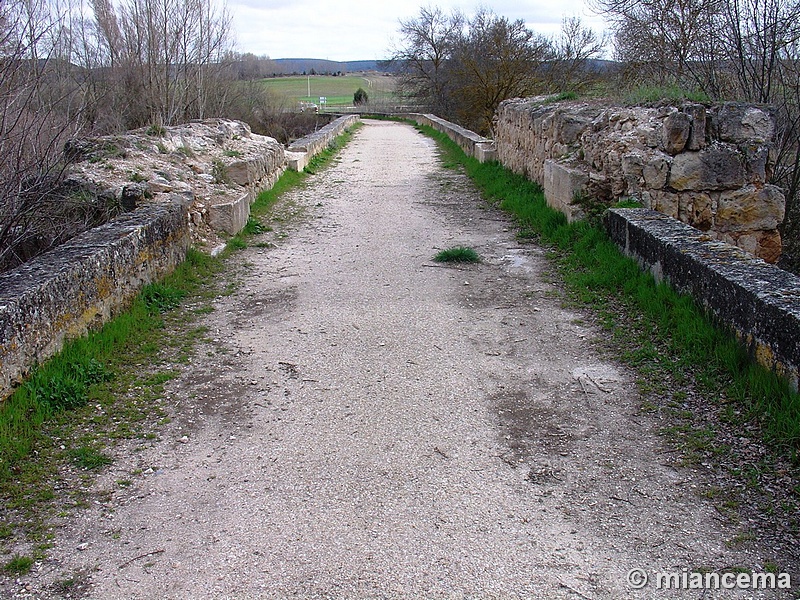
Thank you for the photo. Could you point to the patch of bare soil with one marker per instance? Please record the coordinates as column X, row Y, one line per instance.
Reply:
column 366, row 423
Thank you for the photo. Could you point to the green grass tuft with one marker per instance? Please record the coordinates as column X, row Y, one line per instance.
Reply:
column 18, row 565
column 89, row 458
column 254, row 226
column 458, row 254
column 160, row 298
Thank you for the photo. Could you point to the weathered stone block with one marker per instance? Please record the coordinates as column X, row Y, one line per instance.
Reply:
column 740, row 123
column 750, row 208
column 714, row 168
column 244, row 172
column 768, row 246
column 63, row 293
column 485, row 151
column 697, row 136
column 695, row 208
column 569, row 127
column 230, row 217
column 665, row 202
column 562, row 183
column 656, row 171
column 677, row 127
column 756, row 159
column 296, row 161
column 633, row 170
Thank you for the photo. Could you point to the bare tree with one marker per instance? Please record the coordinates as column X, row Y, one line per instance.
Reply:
column 429, row 42
column 573, row 49
column 495, row 60
column 40, row 109
column 461, row 69
column 666, row 41
column 68, row 68
column 165, row 58
column 746, row 50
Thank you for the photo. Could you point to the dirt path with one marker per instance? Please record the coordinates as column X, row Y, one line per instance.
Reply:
column 369, row 424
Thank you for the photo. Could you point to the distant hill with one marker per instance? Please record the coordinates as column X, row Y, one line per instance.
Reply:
column 321, row 66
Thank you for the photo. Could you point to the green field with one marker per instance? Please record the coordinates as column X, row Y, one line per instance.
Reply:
column 338, row 91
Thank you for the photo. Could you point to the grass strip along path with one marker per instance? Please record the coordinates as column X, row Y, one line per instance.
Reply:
column 60, row 426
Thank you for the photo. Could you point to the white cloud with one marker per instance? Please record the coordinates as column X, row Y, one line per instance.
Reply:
column 364, row 29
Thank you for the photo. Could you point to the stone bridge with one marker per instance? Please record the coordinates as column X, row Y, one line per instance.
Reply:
column 364, row 422
column 708, row 167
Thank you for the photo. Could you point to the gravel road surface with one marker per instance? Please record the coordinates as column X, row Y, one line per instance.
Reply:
column 367, row 423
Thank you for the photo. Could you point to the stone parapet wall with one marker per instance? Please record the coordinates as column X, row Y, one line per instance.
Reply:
column 705, row 165
column 471, row 143
column 758, row 301
column 301, row 151
column 82, row 284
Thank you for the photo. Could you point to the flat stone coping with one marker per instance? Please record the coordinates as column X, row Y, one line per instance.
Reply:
column 758, row 301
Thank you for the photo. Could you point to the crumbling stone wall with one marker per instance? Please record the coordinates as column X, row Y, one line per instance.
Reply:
column 706, row 165
column 219, row 164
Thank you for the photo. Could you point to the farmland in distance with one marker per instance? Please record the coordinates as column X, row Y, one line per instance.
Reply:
column 295, row 91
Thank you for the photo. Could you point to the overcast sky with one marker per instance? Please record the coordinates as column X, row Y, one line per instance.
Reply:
column 367, row 29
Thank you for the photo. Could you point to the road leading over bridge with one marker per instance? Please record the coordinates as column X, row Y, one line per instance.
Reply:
column 367, row 423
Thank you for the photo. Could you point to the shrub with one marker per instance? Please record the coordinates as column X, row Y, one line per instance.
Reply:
column 360, row 97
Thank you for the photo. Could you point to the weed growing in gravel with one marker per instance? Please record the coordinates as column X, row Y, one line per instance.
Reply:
column 18, row 565
column 89, row 458
column 458, row 254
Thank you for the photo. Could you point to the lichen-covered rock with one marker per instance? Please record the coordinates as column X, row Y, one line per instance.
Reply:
column 757, row 300
column 64, row 293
